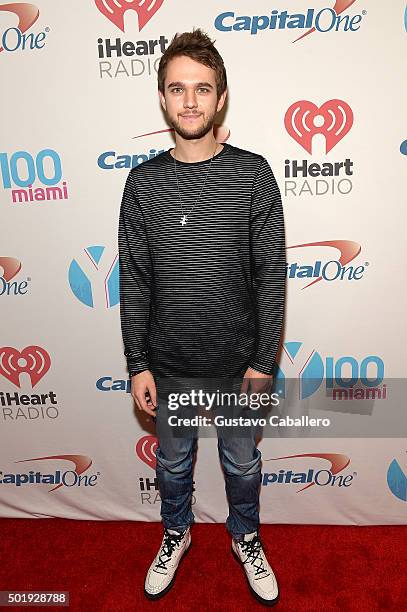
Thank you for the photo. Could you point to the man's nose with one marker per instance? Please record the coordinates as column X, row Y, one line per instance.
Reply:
column 190, row 99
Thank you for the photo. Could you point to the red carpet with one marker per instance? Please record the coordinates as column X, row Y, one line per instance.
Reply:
column 319, row 568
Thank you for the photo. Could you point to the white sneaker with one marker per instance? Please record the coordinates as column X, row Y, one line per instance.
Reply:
column 161, row 574
column 262, row 581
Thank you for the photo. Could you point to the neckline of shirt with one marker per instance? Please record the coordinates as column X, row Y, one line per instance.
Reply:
column 198, row 163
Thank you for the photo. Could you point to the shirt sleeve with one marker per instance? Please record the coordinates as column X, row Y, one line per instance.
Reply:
column 267, row 243
column 135, row 274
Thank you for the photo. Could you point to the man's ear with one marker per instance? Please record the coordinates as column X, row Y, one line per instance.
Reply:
column 221, row 100
column 162, row 100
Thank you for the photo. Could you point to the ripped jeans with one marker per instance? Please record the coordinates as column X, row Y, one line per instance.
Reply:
column 241, row 463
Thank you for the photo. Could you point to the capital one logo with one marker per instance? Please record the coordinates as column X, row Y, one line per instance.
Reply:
column 9, row 268
column 221, row 132
column 94, row 277
column 322, row 477
column 114, row 10
column 397, row 480
column 67, row 478
column 109, row 160
column 331, row 270
column 14, row 38
column 325, row 19
column 145, row 450
column 304, row 119
column 33, row 360
column 305, row 364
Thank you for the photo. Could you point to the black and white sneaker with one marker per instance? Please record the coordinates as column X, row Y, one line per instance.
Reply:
column 262, row 581
column 161, row 574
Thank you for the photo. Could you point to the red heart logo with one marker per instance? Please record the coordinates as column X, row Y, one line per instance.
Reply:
column 145, row 450
column 38, row 362
column 337, row 119
column 114, row 10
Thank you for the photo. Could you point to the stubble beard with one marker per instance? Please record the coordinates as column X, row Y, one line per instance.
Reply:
column 196, row 133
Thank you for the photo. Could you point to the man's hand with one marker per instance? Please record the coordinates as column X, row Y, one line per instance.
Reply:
column 257, row 381
column 144, row 392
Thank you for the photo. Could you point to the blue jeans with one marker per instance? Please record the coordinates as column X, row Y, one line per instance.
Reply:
column 241, row 463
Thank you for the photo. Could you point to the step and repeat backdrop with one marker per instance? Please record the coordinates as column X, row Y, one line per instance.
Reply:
column 315, row 88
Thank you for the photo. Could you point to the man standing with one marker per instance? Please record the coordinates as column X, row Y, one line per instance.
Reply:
column 202, row 292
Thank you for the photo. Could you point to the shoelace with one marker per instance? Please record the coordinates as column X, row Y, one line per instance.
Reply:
column 169, row 544
column 253, row 550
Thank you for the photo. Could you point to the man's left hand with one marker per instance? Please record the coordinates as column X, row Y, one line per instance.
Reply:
column 256, row 382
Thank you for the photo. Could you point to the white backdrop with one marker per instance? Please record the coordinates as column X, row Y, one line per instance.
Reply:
column 73, row 123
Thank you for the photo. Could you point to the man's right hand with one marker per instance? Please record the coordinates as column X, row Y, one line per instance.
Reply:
column 144, row 392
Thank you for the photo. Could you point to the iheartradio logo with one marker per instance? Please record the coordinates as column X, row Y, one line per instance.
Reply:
column 34, row 360
column 304, row 119
column 114, row 10
column 145, row 450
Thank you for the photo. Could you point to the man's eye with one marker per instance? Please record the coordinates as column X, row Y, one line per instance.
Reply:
column 176, row 89
column 204, row 89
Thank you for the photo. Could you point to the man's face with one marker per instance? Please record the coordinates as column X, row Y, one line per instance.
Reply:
column 190, row 97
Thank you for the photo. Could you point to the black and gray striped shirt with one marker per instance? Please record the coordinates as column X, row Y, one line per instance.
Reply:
column 206, row 298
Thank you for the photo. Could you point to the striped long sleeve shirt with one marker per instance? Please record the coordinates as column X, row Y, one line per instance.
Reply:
column 206, row 297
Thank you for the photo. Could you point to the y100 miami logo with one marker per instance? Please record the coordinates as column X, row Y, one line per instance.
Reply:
column 35, row 362
column 345, row 378
column 15, row 38
column 77, row 476
column 94, row 277
column 9, row 285
column 397, row 478
column 331, row 121
column 323, row 20
column 330, row 475
column 33, row 178
column 138, row 57
column 330, row 269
